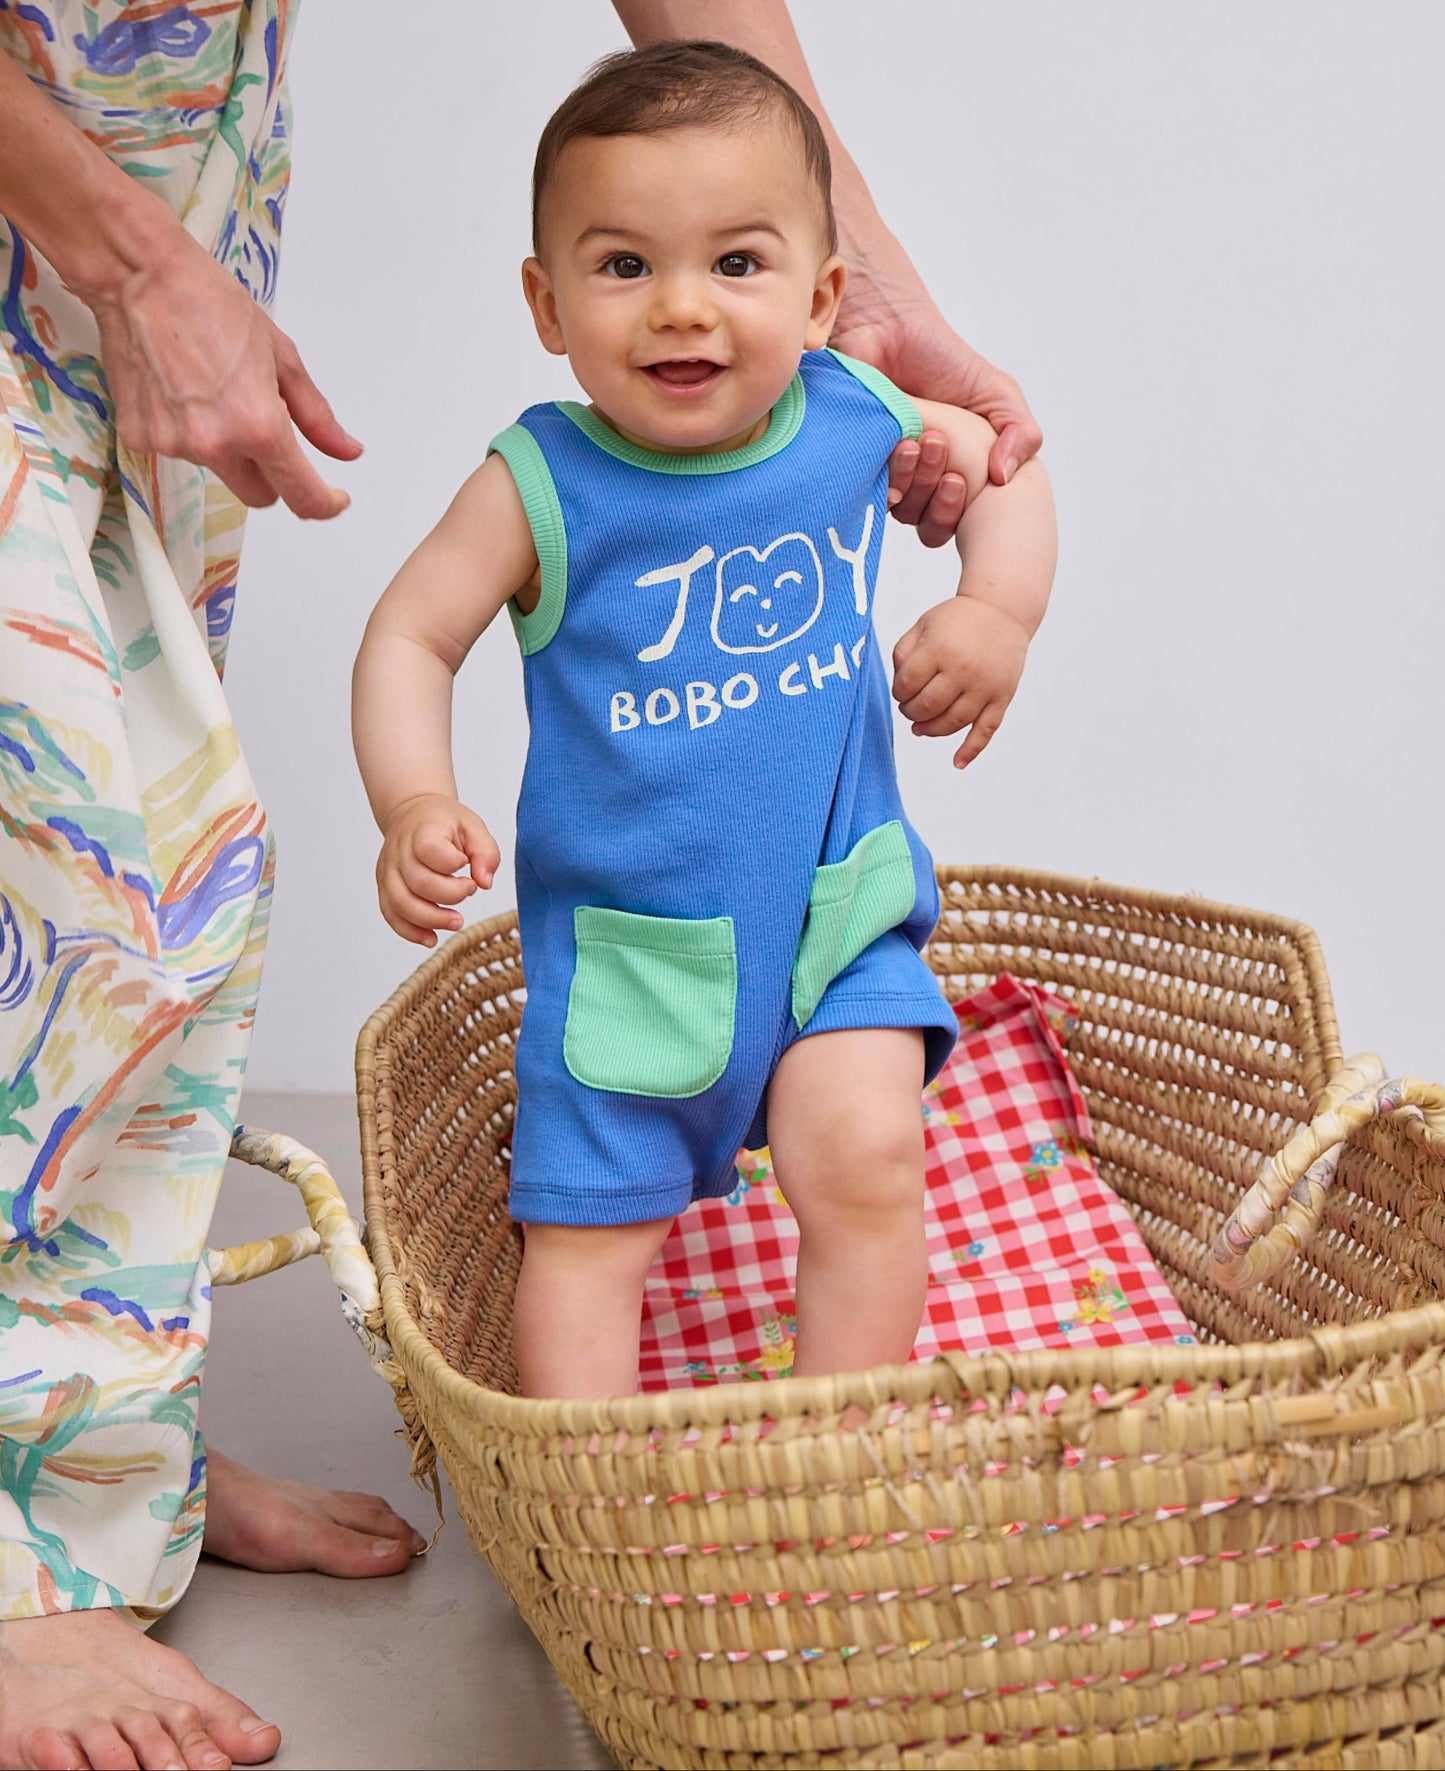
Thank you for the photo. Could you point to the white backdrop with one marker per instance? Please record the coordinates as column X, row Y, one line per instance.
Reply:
column 1206, row 240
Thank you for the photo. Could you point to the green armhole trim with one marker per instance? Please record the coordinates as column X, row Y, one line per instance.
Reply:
column 878, row 384
column 784, row 422
column 522, row 454
column 852, row 903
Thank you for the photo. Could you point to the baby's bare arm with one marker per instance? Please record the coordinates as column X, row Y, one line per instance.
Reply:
column 433, row 611
column 960, row 664
column 1006, row 537
column 431, row 614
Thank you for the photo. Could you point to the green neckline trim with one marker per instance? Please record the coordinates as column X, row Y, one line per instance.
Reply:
column 520, row 450
column 783, row 425
column 878, row 384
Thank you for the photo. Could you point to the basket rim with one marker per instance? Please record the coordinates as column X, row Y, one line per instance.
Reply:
column 1325, row 1350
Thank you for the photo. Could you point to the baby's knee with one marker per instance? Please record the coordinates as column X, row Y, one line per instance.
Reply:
column 866, row 1165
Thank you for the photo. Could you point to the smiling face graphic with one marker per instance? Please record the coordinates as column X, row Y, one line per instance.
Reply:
column 767, row 597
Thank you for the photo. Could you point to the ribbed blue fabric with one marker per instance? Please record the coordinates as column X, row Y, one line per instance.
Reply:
column 710, row 723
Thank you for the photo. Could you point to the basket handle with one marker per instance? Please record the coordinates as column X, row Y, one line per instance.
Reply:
column 332, row 1233
column 1258, row 1237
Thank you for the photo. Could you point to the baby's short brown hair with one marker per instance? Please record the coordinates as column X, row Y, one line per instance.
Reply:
column 680, row 85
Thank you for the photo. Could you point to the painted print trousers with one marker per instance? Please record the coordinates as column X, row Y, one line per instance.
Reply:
column 135, row 861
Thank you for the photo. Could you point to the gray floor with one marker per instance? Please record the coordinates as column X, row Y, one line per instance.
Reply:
column 432, row 1669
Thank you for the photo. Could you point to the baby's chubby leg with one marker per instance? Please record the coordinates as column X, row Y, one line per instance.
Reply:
column 577, row 1320
column 846, row 1132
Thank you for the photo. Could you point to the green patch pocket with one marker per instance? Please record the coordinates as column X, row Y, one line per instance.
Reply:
column 651, row 1007
column 852, row 903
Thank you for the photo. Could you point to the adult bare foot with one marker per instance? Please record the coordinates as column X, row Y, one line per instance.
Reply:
column 284, row 1527
column 86, row 1689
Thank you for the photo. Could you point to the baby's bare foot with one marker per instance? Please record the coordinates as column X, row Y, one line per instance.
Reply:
column 284, row 1527
column 86, row 1691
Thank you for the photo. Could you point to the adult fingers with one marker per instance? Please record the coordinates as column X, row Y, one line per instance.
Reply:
column 286, row 468
column 983, row 388
column 211, row 445
column 902, row 465
column 309, row 407
column 929, row 460
column 246, row 480
column 939, row 522
column 1019, row 439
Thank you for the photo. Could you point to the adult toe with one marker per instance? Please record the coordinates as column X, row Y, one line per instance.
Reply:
column 371, row 1514
column 185, row 1724
column 51, row 1750
column 154, row 1748
column 245, row 1737
column 106, row 1750
column 358, row 1553
column 200, row 1711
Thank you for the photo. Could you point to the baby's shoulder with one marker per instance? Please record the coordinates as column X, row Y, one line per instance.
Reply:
column 858, row 391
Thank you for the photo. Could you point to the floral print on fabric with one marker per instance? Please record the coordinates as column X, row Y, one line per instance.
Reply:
column 1027, row 1247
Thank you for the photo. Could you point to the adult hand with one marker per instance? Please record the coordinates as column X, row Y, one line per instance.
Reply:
column 198, row 371
column 901, row 332
column 887, row 317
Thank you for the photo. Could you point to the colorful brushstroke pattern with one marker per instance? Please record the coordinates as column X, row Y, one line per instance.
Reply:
column 135, row 859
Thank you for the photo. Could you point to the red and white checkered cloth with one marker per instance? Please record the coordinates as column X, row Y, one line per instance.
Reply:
column 1027, row 1247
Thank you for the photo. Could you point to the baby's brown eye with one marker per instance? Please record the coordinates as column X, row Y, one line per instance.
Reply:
column 626, row 264
column 735, row 264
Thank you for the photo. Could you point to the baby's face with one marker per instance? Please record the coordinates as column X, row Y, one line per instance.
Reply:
column 684, row 275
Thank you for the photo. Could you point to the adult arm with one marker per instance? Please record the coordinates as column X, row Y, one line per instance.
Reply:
column 887, row 317
column 194, row 367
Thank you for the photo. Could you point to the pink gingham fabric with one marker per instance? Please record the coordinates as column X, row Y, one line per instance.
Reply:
column 1027, row 1246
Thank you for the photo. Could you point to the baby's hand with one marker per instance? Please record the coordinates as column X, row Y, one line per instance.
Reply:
column 958, row 666
column 427, row 840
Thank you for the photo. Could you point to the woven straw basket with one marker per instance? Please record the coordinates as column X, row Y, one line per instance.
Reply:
column 1227, row 1554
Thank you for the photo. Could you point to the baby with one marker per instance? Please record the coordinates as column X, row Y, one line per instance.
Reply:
column 722, row 904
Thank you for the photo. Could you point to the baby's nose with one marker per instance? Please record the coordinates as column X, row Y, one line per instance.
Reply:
column 683, row 301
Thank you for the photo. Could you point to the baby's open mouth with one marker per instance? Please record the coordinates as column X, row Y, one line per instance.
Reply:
column 685, row 372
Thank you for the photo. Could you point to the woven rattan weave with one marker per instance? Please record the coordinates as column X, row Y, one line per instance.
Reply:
column 1223, row 1554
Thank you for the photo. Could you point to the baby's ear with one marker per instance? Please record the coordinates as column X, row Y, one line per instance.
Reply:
column 537, row 287
column 827, row 293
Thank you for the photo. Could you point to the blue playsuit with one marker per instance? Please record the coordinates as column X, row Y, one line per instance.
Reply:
column 712, row 856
